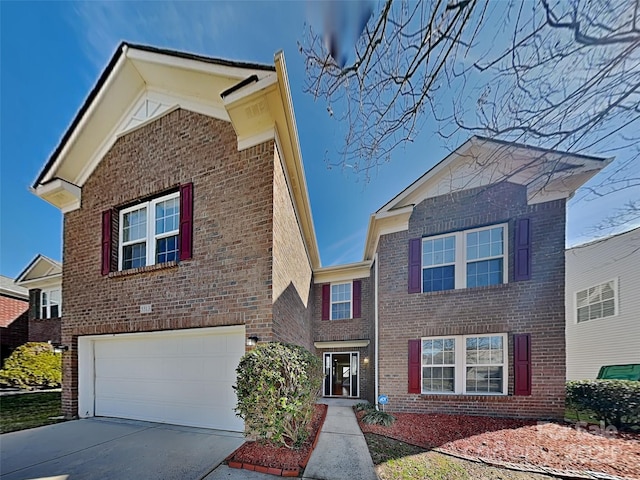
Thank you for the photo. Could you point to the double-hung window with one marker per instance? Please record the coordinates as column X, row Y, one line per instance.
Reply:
column 595, row 302
column 50, row 303
column 341, row 303
column 465, row 364
column 149, row 232
column 469, row 258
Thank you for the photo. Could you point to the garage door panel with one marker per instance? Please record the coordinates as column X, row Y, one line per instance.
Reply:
column 181, row 379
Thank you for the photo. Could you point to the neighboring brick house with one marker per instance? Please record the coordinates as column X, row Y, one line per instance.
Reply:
column 188, row 232
column 14, row 316
column 42, row 278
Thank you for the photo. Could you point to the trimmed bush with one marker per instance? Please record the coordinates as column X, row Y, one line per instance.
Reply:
column 376, row 417
column 277, row 387
column 615, row 402
column 32, row 365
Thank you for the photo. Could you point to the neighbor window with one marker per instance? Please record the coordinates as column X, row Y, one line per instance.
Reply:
column 597, row 302
column 341, row 301
column 470, row 258
column 50, row 303
column 470, row 364
column 149, row 232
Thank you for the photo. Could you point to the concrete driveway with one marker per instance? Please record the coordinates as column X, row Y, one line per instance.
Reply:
column 101, row 448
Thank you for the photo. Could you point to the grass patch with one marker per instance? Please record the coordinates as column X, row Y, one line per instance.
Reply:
column 396, row 460
column 29, row 410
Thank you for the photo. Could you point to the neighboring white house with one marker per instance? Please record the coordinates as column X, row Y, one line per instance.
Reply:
column 603, row 304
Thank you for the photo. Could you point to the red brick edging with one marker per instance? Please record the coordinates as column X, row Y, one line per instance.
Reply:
column 281, row 472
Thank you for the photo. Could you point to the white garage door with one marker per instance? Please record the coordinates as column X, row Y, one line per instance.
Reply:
column 182, row 377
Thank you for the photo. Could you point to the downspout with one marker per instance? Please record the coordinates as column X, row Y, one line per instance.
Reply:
column 375, row 317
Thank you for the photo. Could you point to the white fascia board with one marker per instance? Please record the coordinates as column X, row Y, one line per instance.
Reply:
column 61, row 194
column 341, row 273
column 302, row 191
column 342, row 344
column 256, row 139
column 385, row 223
column 193, row 64
column 83, row 121
column 434, row 171
column 43, row 282
column 268, row 82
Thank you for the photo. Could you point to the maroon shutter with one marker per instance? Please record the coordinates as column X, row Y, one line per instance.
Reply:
column 107, row 218
column 522, row 260
column 415, row 265
column 326, row 301
column 414, row 366
column 186, row 221
column 522, row 364
column 357, row 299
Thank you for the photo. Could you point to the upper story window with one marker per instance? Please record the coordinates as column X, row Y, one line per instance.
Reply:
column 469, row 364
column 149, row 232
column 50, row 303
column 470, row 258
column 341, row 301
column 597, row 302
column 156, row 231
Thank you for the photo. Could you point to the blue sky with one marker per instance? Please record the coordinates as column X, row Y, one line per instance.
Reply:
column 53, row 52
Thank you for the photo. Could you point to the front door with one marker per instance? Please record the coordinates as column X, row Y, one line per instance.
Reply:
column 341, row 374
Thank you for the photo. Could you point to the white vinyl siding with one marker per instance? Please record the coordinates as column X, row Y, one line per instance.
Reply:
column 609, row 340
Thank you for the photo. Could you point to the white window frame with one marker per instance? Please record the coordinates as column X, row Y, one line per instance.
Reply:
column 616, row 298
column 332, row 303
column 461, row 260
column 151, row 237
column 460, row 366
column 47, row 292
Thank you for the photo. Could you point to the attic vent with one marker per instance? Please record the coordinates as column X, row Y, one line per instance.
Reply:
column 255, row 109
column 146, row 109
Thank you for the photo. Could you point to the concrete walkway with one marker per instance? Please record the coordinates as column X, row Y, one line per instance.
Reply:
column 341, row 452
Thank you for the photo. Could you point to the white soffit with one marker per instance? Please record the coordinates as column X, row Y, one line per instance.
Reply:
column 342, row 273
column 481, row 162
column 141, row 87
column 342, row 344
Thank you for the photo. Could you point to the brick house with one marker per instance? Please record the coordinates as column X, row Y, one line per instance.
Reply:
column 188, row 234
column 14, row 316
column 42, row 278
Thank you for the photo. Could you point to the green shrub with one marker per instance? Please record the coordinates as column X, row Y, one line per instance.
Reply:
column 32, row 365
column 277, row 387
column 615, row 402
column 364, row 407
column 376, row 417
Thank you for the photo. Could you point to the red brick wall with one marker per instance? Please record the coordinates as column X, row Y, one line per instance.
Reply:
column 10, row 309
column 14, row 325
column 292, row 275
column 45, row 329
column 228, row 281
column 349, row 329
column 535, row 306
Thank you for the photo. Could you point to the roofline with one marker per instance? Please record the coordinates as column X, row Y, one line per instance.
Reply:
column 539, row 149
column 605, row 238
column 479, row 138
column 120, row 50
column 32, row 263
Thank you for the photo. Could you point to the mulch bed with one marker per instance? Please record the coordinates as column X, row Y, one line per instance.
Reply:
column 557, row 446
column 265, row 457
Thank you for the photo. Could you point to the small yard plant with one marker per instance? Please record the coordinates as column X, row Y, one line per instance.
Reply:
column 31, row 366
column 615, row 402
column 373, row 416
column 277, row 386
